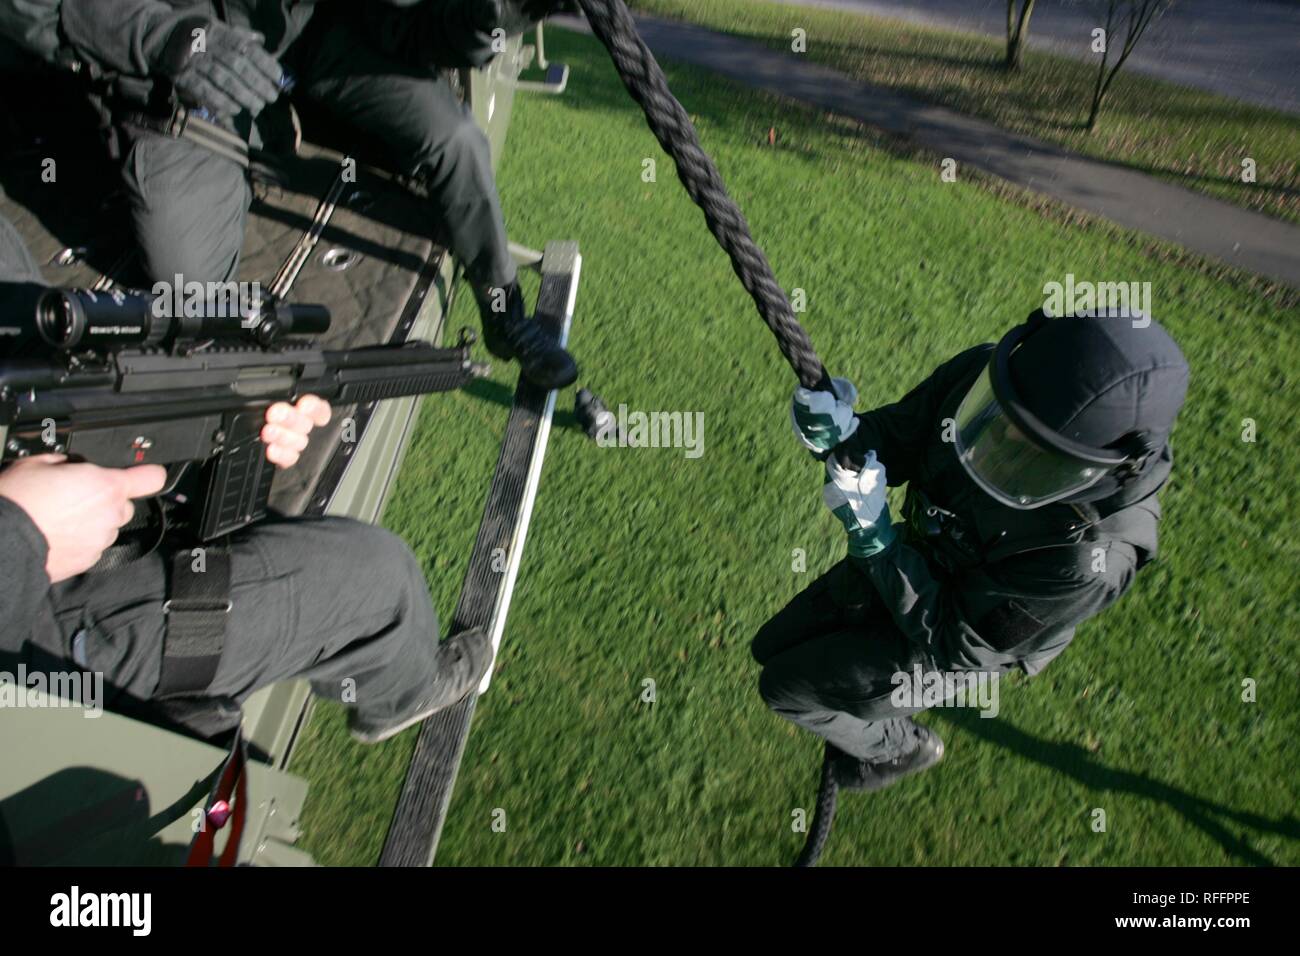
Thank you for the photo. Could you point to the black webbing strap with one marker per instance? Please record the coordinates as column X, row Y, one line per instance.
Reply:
column 136, row 539
column 181, row 123
column 197, row 608
column 824, row 816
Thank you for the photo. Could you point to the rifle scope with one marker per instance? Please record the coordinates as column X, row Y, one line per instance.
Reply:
column 73, row 319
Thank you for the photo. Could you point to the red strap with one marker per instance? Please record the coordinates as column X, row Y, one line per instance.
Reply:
column 231, row 851
column 232, row 786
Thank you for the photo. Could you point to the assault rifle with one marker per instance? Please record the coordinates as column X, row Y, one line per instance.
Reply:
column 115, row 380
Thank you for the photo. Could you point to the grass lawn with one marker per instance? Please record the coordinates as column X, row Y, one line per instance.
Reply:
column 1186, row 136
column 644, row 565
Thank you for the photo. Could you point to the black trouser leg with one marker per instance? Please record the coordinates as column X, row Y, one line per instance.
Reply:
column 189, row 207
column 415, row 123
column 340, row 603
column 828, row 666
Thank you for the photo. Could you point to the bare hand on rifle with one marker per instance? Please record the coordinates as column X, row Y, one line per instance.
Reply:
column 287, row 427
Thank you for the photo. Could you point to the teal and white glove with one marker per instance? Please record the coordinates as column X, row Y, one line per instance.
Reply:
column 824, row 419
column 857, row 498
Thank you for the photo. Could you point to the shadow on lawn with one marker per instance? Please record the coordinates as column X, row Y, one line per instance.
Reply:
column 594, row 85
column 499, row 393
column 1079, row 764
column 898, row 113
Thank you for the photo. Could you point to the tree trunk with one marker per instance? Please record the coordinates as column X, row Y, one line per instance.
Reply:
column 1013, row 54
column 1011, row 35
column 1099, row 91
column 1098, row 97
column 1017, row 32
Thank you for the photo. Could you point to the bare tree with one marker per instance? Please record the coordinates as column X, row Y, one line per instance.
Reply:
column 1017, row 30
column 1130, row 18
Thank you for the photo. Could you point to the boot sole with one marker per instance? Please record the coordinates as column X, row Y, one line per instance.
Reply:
column 422, row 715
column 389, row 732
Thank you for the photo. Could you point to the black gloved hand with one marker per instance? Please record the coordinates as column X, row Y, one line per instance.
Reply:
column 224, row 69
column 474, row 23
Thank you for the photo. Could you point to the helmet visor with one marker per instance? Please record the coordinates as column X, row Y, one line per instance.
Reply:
column 1006, row 463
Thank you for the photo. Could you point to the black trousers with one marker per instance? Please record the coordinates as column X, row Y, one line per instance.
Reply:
column 189, row 205
column 340, row 603
column 829, row 658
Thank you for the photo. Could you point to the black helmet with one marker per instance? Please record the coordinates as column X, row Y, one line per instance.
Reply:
column 1068, row 402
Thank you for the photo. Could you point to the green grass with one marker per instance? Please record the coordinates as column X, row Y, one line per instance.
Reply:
column 1186, row 136
column 644, row 565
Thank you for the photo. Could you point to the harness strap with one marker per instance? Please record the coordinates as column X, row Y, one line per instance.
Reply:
column 138, row 538
column 228, row 803
column 184, row 124
column 197, row 609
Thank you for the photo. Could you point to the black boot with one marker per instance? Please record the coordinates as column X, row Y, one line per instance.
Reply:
column 462, row 661
column 854, row 774
column 511, row 334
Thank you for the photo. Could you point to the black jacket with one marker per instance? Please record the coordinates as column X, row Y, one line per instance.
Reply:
column 24, row 585
column 978, row 584
column 25, row 592
column 123, row 38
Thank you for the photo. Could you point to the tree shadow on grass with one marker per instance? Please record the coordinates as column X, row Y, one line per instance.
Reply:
column 892, row 123
column 1023, row 96
column 594, row 87
column 894, row 119
column 990, row 63
column 1281, row 189
column 1213, row 819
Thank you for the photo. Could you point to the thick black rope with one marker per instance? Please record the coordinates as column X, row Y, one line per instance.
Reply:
column 668, row 120
column 645, row 81
column 823, row 816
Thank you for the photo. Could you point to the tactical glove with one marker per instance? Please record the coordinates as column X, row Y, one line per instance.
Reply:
column 224, row 69
column 466, row 31
column 439, row 34
column 519, row 15
column 471, row 26
column 824, row 419
column 857, row 498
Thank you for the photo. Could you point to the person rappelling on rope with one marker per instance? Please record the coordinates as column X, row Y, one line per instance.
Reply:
column 1031, row 468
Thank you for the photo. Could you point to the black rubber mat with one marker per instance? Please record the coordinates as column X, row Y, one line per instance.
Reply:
column 426, row 795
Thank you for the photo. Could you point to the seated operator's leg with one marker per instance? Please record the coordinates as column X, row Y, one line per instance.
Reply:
column 413, row 123
column 337, row 602
column 188, row 208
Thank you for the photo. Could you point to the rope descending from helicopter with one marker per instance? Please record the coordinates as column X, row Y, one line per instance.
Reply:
column 823, row 816
column 668, row 120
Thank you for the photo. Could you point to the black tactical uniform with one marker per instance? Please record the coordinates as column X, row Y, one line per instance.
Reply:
column 373, row 64
column 190, row 204
column 337, row 602
column 971, row 583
